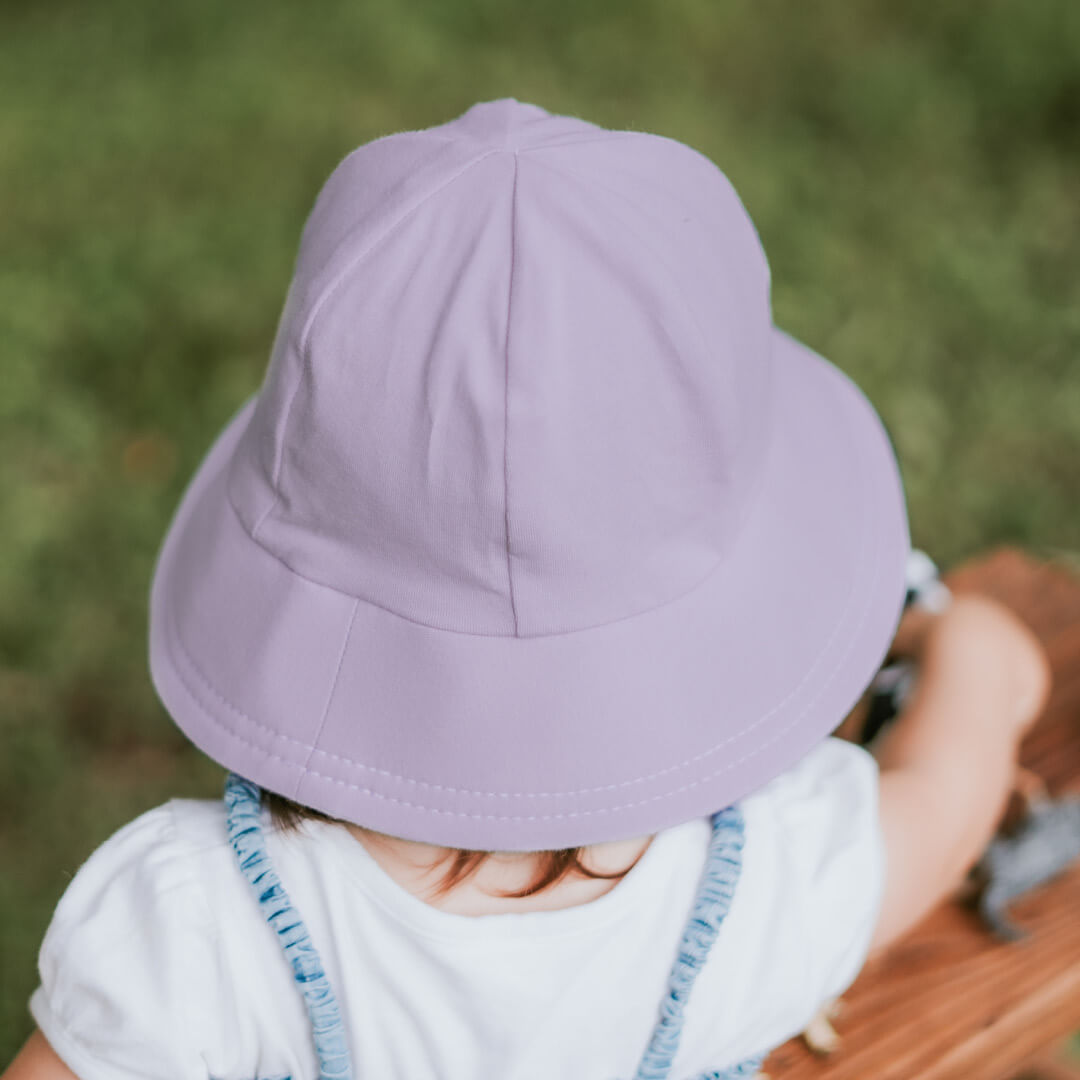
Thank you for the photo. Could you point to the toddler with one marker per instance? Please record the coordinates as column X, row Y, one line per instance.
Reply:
column 539, row 540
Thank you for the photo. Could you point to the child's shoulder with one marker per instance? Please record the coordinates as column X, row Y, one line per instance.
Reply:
column 171, row 831
column 131, row 932
column 199, row 825
column 804, row 908
column 834, row 772
column 818, row 823
column 152, row 863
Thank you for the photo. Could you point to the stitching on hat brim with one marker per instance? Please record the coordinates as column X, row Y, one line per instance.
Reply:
column 585, row 791
column 173, row 635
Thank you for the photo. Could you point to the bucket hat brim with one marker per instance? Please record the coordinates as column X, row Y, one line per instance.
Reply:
column 504, row 743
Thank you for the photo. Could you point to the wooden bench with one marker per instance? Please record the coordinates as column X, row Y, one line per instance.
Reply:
column 948, row 1001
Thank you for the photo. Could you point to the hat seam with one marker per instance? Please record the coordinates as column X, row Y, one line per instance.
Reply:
column 748, row 509
column 715, row 568
column 330, row 695
column 506, row 397
column 332, row 286
column 870, row 592
column 313, row 750
column 252, row 534
column 303, row 345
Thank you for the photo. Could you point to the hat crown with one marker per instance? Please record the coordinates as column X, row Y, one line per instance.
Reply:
column 521, row 381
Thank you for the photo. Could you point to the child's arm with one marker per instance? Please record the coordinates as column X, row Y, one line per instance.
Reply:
column 37, row 1060
column 948, row 762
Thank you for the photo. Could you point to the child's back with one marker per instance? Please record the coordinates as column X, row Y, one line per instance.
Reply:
column 157, row 963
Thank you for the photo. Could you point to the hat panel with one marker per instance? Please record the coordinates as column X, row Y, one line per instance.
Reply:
column 702, row 237
column 371, row 193
column 368, row 195
column 391, row 484
column 714, row 252
column 637, row 391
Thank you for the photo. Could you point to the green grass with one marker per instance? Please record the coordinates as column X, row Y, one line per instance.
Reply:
column 912, row 168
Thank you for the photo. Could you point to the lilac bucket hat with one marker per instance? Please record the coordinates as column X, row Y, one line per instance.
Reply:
column 538, row 532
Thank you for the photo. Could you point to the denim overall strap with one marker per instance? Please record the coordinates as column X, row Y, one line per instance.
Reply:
column 711, row 905
column 244, row 801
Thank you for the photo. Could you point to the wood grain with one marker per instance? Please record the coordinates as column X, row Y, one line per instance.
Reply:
column 949, row 1002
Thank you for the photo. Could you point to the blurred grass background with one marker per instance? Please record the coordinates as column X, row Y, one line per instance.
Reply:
column 913, row 170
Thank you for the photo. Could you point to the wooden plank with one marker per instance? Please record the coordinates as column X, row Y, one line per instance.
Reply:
column 948, row 1001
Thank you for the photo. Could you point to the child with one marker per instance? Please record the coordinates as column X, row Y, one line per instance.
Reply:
column 538, row 537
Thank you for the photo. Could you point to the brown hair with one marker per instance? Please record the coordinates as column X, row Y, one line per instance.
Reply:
column 552, row 866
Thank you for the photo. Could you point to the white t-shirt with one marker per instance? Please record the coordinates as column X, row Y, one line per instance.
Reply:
column 158, row 962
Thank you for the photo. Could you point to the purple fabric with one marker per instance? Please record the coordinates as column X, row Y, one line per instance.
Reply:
column 538, row 533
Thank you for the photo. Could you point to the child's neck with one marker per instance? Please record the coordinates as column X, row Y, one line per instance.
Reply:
column 415, row 868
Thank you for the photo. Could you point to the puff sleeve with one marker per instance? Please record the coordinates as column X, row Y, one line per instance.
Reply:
column 824, row 825
column 804, row 910
column 126, row 958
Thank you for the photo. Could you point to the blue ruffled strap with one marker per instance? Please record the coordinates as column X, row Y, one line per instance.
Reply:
column 244, row 801
column 711, row 905
column 745, row 1070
